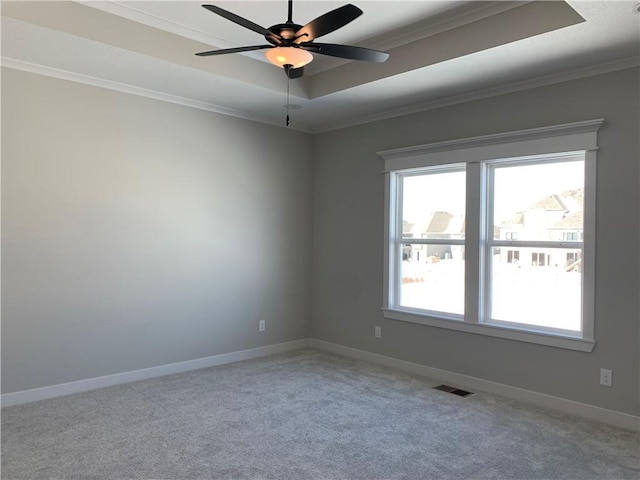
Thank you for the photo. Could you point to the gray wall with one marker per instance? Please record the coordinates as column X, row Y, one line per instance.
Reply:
column 137, row 233
column 348, row 242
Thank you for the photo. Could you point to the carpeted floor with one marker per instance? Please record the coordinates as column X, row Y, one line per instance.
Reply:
column 304, row 415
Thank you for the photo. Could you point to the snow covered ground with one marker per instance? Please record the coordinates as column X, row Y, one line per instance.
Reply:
column 543, row 296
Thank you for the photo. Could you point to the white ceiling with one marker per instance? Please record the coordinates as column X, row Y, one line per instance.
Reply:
column 442, row 52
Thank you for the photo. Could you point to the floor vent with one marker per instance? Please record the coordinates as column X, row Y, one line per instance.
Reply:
column 454, row 390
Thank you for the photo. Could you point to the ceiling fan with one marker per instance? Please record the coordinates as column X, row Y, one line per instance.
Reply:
column 290, row 44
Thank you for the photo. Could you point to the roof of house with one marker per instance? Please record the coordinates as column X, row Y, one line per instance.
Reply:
column 439, row 222
column 407, row 226
column 569, row 201
column 552, row 202
column 517, row 219
column 572, row 221
column 573, row 199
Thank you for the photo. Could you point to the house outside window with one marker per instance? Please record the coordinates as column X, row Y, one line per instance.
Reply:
column 503, row 254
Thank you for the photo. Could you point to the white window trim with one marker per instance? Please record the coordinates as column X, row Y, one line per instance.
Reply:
column 566, row 138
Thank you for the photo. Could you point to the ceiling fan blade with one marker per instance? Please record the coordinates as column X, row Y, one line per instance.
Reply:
column 233, row 50
column 346, row 51
column 239, row 20
column 328, row 22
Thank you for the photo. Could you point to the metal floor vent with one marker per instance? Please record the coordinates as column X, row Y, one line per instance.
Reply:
column 454, row 390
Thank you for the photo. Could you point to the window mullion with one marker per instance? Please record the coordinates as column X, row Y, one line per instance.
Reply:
column 397, row 250
column 472, row 254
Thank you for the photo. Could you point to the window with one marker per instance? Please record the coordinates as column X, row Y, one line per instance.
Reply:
column 431, row 215
column 544, row 196
column 573, row 262
column 538, row 259
column 495, row 235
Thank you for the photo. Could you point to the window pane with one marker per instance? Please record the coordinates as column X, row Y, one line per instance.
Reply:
column 432, row 278
column 541, row 288
column 539, row 202
column 433, row 205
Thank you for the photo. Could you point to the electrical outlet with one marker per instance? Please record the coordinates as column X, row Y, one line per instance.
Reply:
column 378, row 332
column 606, row 377
column 262, row 325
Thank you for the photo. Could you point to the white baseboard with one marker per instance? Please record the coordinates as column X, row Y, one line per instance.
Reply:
column 591, row 412
column 26, row 396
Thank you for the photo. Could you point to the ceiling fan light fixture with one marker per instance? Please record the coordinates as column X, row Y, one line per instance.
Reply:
column 281, row 56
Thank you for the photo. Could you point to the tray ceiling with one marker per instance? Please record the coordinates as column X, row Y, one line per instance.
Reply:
column 442, row 52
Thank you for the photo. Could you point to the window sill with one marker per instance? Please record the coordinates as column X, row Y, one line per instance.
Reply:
column 551, row 340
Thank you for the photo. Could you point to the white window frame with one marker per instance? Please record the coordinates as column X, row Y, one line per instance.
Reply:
column 399, row 241
column 567, row 139
column 542, row 246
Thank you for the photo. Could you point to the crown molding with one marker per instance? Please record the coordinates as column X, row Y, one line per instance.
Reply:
column 485, row 93
column 131, row 89
column 334, row 125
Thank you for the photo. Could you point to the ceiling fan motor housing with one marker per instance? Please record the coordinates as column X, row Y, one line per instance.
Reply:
column 284, row 34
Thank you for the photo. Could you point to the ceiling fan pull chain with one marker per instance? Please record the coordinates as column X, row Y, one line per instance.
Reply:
column 288, row 67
